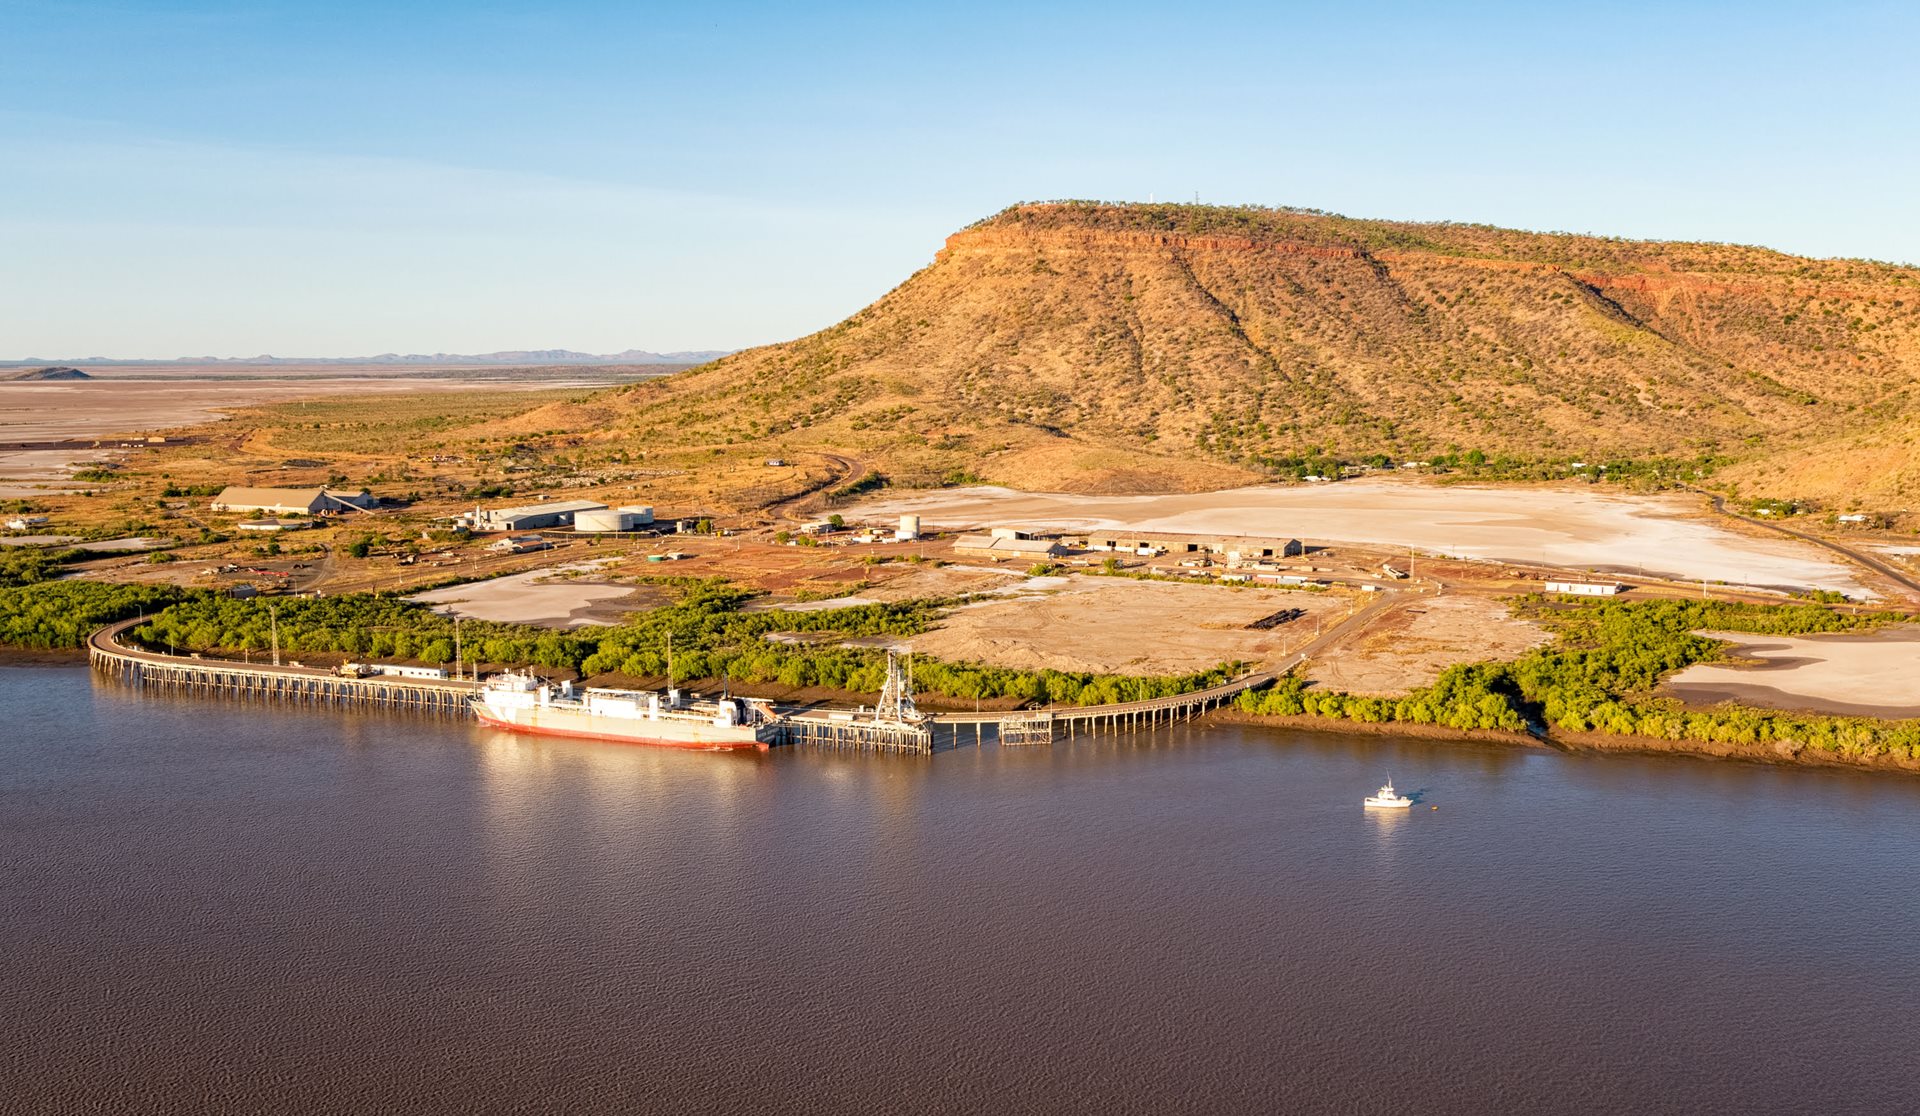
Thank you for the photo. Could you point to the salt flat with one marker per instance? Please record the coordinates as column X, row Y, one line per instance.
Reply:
column 1574, row 527
column 1876, row 675
column 115, row 404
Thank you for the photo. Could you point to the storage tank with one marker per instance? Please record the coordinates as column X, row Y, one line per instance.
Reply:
column 909, row 528
column 613, row 519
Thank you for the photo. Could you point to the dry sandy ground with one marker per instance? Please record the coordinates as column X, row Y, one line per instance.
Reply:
column 943, row 581
column 1574, row 527
column 1876, row 675
column 1117, row 625
column 535, row 597
column 1411, row 646
column 114, row 546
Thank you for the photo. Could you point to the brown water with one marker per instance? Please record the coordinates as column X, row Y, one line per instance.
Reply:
column 208, row 906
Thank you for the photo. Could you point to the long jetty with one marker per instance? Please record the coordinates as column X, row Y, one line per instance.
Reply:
column 820, row 728
column 150, row 669
column 1044, row 726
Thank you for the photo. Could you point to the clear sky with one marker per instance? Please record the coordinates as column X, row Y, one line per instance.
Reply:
column 340, row 178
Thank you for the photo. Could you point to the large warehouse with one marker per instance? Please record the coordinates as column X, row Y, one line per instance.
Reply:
column 533, row 517
column 1002, row 546
column 290, row 501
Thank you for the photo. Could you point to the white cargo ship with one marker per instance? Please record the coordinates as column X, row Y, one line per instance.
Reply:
column 523, row 703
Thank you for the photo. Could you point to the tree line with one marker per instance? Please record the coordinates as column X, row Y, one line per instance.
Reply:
column 59, row 615
column 713, row 633
column 1599, row 676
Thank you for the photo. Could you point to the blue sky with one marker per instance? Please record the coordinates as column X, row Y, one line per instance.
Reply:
column 344, row 178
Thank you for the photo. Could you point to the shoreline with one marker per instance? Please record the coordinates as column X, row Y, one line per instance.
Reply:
column 1777, row 754
column 56, row 656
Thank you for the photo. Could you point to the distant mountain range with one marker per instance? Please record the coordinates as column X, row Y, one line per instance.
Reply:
column 514, row 357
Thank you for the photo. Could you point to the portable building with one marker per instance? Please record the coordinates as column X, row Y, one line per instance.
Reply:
column 1587, row 588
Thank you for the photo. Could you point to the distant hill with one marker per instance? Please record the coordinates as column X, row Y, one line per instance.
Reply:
column 39, row 374
column 1099, row 346
column 516, row 357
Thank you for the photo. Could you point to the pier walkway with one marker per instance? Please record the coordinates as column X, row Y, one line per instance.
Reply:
column 1043, row 726
column 286, row 683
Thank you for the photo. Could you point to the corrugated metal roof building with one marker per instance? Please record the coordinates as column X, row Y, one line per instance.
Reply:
column 989, row 546
column 288, row 501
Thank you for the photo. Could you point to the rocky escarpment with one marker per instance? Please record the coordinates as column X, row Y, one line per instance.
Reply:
column 35, row 375
column 1069, row 344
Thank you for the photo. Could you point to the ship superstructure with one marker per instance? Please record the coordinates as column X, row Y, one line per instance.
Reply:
column 524, row 703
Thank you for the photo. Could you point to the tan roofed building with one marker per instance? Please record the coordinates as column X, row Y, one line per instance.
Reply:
column 289, row 501
column 991, row 546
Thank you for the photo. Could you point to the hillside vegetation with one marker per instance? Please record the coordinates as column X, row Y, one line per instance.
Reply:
column 1096, row 346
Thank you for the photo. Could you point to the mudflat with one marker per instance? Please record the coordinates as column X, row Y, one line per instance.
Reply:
column 1869, row 675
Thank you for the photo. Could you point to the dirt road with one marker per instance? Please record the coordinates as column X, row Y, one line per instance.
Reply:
column 1858, row 557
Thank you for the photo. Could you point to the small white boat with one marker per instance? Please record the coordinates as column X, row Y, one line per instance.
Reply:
column 1388, row 800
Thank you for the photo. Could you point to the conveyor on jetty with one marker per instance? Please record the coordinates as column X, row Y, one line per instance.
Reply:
column 862, row 730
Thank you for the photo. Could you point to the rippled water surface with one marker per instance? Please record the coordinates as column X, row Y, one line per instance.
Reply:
column 209, row 906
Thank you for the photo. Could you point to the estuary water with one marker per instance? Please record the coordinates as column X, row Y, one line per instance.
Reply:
column 209, row 906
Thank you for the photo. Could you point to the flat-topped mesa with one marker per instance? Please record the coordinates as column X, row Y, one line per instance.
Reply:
column 1104, row 347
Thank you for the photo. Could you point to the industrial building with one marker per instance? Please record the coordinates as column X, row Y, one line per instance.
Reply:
column 1587, row 588
column 1236, row 548
column 290, row 501
column 629, row 518
column 521, row 544
column 909, row 529
column 998, row 546
column 532, row 517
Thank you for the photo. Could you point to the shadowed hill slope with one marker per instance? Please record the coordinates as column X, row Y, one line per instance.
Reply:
column 1084, row 345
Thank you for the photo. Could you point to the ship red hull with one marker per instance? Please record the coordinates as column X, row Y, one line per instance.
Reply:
column 692, row 745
